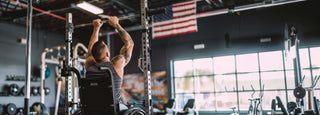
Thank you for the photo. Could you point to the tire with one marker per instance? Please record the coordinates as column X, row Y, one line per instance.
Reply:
column 134, row 111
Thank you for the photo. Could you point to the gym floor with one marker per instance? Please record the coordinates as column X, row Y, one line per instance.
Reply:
column 230, row 55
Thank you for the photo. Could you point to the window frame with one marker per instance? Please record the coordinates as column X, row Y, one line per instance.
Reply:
column 236, row 74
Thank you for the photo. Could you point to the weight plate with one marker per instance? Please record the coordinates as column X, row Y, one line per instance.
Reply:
column 291, row 106
column 14, row 89
column 299, row 92
column 11, row 109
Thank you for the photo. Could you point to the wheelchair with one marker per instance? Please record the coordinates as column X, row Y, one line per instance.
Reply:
column 97, row 95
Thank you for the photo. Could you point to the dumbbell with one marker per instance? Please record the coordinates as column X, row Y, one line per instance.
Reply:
column 13, row 90
column 46, row 90
column 11, row 109
column 35, row 91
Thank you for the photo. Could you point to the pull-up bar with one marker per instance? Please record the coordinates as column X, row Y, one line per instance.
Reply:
column 106, row 17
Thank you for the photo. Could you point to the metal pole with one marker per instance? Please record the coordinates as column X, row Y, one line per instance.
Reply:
column 146, row 68
column 68, row 86
column 42, row 74
column 108, row 41
column 109, row 45
column 57, row 96
column 58, row 74
column 298, row 66
column 28, row 57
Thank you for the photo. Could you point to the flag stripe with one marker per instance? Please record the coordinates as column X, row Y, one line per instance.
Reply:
column 176, row 31
column 175, row 28
column 185, row 15
column 184, row 10
column 179, row 22
column 176, row 20
column 183, row 4
column 181, row 8
column 191, row 31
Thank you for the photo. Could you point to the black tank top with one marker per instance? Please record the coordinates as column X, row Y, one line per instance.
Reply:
column 117, row 81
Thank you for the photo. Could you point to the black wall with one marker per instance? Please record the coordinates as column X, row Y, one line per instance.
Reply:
column 245, row 30
column 12, row 60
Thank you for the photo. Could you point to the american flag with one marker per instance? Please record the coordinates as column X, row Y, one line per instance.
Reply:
column 179, row 19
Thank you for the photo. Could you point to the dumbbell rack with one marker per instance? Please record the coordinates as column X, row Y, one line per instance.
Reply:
column 15, row 90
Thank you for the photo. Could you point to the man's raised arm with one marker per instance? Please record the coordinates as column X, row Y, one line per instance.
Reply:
column 121, row 60
column 94, row 38
column 95, row 34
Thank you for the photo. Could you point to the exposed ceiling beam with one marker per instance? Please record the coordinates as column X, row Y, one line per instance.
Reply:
column 37, row 9
column 119, row 9
column 7, row 5
column 123, row 5
column 41, row 13
column 219, row 12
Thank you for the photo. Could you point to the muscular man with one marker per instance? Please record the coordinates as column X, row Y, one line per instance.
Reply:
column 98, row 55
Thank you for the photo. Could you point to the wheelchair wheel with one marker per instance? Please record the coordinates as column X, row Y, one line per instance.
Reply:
column 77, row 112
column 134, row 111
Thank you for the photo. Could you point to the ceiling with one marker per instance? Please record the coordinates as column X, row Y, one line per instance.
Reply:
column 14, row 11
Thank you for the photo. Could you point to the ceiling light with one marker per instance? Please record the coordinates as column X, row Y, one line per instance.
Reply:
column 89, row 7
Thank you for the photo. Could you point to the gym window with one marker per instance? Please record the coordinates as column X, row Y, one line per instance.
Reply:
column 219, row 83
